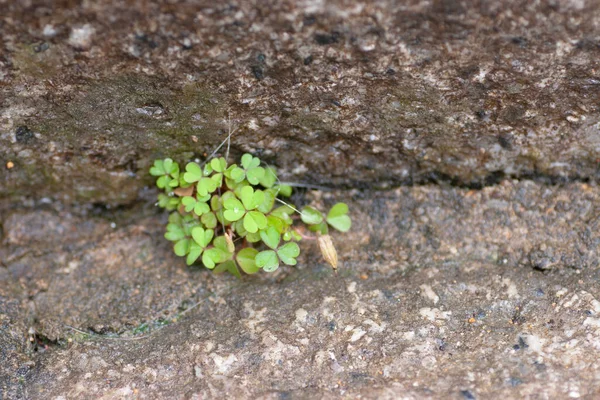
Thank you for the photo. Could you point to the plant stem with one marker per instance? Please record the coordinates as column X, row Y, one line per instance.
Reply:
column 305, row 237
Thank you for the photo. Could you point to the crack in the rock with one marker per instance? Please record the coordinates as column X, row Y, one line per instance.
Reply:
column 446, row 180
column 497, row 177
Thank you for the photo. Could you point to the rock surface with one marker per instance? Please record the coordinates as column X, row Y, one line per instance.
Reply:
column 478, row 279
column 395, row 92
column 443, row 292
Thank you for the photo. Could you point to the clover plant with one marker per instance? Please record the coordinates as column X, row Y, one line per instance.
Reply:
column 231, row 217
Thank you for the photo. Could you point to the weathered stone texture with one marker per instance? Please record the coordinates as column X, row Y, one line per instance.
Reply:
column 395, row 92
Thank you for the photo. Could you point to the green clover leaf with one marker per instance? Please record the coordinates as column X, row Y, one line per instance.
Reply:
column 182, row 182
column 253, row 175
column 277, row 223
column 280, row 219
column 218, row 254
column 284, row 190
column 250, row 162
column 338, row 217
column 268, row 202
column 209, row 220
column 218, row 178
column 254, row 172
column 211, row 257
column 165, row 167
column 181, row 225
column 254, row 220
column 202, row 236
column 269, row 177
column 199, row 205
column 228, row 266
column 238, row 226
column 193, row 173
column 179, row 230
column 169, row 165
column 283, row 213
column 292, row 234
column 223, row 244
column 311, row 216
column 194, row 253
column 288, row 253
column 174, row 232
column 163, row 200
column 321, row 228
column 245, row 259
column 166, row 181
column 215, row 202
column 270, row 237
column 207, row 170
column 235, row 173
column 253, row 237
column 182, row 247
column 267, row 260
column 216, row 205
column 168, row 173
column 158, row 168
column 234, row 209
column 168, row 202
column 206, row 186
column 175, row 218
column 250, row 198
column 218, row 164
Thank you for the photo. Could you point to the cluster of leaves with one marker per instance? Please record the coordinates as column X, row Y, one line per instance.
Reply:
column 230, row 216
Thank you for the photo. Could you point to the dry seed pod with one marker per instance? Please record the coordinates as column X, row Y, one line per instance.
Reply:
column 328, row 250
column 229, row 240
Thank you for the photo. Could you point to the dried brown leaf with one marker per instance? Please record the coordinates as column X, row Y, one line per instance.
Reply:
column 328, row 250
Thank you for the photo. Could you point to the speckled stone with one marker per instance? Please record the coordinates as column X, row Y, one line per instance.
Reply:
column 441, row 293
column 463, row 135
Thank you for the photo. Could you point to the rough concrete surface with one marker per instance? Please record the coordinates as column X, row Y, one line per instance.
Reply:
column 395, row 91
column 443, row 292
column 464, row 135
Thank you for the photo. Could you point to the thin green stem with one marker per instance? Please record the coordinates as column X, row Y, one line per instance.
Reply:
column 289, row 205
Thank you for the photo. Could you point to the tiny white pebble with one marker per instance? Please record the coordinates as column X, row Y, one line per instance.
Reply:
column 49, row 31
column 352, row 287
column 81, row 37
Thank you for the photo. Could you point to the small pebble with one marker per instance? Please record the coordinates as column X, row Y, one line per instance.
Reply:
column 81, row 37
column 49, row 31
